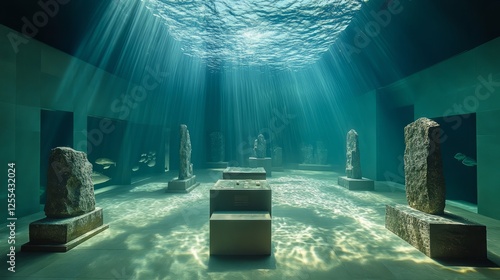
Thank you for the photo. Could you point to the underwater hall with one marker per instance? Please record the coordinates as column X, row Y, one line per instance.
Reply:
column 189, row 139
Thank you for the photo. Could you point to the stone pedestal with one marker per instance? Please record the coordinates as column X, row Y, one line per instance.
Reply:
column 265, row 162
column 240, row 217
column 218, row 164
column 438, row 236
column 362, row 184
column 61, row 235
column 315, row 167
column 182, row 186
column 240, row 233
column 236, row 173
column 240, row 195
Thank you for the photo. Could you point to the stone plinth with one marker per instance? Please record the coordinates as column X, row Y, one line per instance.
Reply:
column 438, row 236
column 240, row 195
column 182, row 186
column 315, row 167
column 61, row 235
column 362, row 184
column 240, row 217
column 218, row 164
column 266, row 163
column 258, row 173
column 240, row 233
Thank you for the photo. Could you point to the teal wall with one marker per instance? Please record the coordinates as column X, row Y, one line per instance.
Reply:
column 467, row 83
column 40, row 77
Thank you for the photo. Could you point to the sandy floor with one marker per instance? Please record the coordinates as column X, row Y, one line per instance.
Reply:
column 319, row 231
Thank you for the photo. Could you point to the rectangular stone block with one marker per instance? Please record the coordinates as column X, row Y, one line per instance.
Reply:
column 315, row 167
column 219, row 164
column 240, row 195
column 240, row 233
column 182, row 186
column 60, row 231
column 258, row 173
column 266, row 163
column 438, row 236
column 356, row 184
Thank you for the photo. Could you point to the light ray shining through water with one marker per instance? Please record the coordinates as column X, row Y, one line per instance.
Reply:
column 283, row 34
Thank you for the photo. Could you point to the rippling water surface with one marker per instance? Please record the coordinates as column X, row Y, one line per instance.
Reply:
column 283, row 34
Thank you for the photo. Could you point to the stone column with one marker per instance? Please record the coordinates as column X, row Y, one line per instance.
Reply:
column 424, row 179
column 353, row 163
column 185, row 166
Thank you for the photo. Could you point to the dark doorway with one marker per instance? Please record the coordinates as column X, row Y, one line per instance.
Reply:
column 458, row 150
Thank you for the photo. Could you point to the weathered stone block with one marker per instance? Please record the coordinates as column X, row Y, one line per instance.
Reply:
column 353, row 162
column 266, row 163
column 240, row 195
column 70, row 191
column 362, row 184
column 424, row 179
column 182, row 186
column 257, row 173
column 240, row 233
column 444, row 236
column 185, row 165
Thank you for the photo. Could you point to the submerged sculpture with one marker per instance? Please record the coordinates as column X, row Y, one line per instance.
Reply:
column 186, row 181
column 259, row 158
column 353, row 179
column 185, row 166
column 259, row 147
column 70, row 208
column 425, row 186
column 353, row 163
column 70, row 191
column 423, row 223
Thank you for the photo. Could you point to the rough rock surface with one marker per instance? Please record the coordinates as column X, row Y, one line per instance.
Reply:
column 353, row 163
column 259, row 146
column 425, row 186
column 185, row 166
column 70, row 191
column 217, row 146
